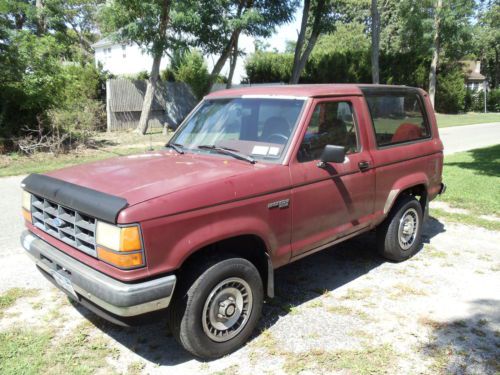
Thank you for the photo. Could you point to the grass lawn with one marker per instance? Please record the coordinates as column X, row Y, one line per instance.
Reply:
column 473, row 180
column 109, row 145
column 470, row 118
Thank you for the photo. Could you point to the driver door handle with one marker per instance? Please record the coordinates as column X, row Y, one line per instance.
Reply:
column 364, row 165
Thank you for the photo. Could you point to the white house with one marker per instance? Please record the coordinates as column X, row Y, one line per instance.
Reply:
column 474, row 80
column 128, row 58
column 123, row 58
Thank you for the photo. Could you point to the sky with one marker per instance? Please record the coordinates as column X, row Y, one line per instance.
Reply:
column 286, row 32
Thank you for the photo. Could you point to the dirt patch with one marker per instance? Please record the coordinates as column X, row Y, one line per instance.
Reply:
column 343, row 310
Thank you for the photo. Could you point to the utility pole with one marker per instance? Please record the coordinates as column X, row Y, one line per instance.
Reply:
column 485, row 87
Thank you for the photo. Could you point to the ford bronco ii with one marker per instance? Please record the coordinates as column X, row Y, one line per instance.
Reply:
column 253, row 179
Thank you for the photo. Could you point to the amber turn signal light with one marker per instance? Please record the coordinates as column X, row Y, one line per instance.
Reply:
column 26, row 215
column 121, row 260
column 130, row 239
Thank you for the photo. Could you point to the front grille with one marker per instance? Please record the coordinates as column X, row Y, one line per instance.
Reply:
column 70, row 226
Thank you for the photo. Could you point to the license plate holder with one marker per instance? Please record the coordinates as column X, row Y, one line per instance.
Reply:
column 64, row 283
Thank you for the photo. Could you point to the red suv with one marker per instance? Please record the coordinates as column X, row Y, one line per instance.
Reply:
column 252, row 180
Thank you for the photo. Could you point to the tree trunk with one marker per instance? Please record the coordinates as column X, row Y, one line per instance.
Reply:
column 435, row 54
column 496, row 80
column 375, row 42
column 232, row 66
column 305, row 56
column 294, row 79
column 142, row 128
column 223, row 57
column 315, row 31
column 40, row 19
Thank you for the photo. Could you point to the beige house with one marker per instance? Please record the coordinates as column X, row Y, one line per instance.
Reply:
column 474, row 80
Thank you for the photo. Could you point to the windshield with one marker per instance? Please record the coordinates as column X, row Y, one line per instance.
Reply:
column 258, row 127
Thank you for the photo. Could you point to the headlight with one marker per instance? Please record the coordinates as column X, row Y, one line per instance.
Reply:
column 26, row 204
column 119, row 246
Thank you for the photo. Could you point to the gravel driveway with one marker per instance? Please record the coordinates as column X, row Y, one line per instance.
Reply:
column 343, row 310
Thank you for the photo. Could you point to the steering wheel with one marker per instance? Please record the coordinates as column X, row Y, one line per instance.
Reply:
column 280, row 137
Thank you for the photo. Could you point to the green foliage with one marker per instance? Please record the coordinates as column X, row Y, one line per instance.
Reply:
column 194, row 72
column 474, row 100
column 33, row 84
column 263, row 67
column 167, row 75
column 41, row 83
column 493, row 101
column 451, row 92
column 340, row 57
column 213, row 22
column 46, row 65
column 78, row 120
column 136, row 21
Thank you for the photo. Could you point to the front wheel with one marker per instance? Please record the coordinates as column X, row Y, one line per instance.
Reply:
column 216, row 313
column 400, row 235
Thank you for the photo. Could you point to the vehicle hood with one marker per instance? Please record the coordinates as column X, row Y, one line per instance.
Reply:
column 142, row 177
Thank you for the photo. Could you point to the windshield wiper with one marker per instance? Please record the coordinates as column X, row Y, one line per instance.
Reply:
column 175, row 146
column 229, row 151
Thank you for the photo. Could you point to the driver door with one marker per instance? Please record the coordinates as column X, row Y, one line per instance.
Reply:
column 336, row 200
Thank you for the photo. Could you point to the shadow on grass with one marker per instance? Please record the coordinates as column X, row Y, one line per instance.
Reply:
column 96, row 144
column 469, row 345
column 486, row 161
column 295, row 285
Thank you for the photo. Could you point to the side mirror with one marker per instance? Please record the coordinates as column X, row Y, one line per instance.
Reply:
column 332, row 154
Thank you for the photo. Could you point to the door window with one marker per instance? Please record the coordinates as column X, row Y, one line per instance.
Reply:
column 332, row 123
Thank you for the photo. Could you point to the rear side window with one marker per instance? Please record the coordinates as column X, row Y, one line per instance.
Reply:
column 397, row 118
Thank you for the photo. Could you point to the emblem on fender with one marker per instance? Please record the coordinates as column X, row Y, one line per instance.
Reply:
column 284, row 203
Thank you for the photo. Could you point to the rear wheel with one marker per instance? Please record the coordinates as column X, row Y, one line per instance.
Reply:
column 216, row 309
column 400, row 235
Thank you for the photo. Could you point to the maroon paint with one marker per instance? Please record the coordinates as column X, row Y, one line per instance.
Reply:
column 185, row 202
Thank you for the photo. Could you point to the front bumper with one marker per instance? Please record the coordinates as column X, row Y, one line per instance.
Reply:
column 102, row 294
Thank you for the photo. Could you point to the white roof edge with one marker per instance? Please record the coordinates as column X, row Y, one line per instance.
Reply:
column 270, row 96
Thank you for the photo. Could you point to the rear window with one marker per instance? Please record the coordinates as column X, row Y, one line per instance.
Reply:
column 397, row 118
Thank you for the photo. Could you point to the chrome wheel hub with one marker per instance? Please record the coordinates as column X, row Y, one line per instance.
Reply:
column 227, row 309
column 408, row 227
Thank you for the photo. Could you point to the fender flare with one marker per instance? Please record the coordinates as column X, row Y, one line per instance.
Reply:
column 403, row 184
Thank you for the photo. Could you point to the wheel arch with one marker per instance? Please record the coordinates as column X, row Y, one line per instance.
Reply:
column 415, row 185
column 248, row 246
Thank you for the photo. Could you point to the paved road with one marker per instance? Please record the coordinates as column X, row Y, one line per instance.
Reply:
column 463, row 138
column 20, row 269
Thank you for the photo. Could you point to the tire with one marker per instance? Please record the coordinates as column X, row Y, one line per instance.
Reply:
column 398, row 242
column 205, row 294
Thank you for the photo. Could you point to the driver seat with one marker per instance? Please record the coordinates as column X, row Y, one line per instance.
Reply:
column 275, row 125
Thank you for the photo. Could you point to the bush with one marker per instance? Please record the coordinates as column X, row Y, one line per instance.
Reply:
column 194, row 72
column 493, row 101
column 167, row 75
column 450, row 92
column 264, row 67
column 474, row 101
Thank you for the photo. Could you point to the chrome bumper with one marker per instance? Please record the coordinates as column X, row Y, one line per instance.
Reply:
column 87, row 284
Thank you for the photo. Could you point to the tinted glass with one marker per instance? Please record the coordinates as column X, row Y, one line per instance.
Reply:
column 260, row 127
column 397, row 118
column 332, row 123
